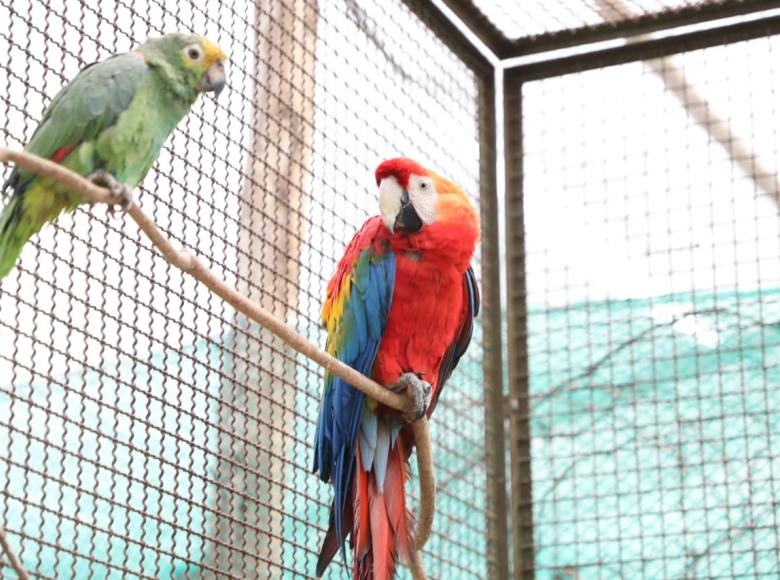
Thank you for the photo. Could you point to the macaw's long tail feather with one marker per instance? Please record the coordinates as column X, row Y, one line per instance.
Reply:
column 382, row 524
column 330, row 546
column 361, row 530
column 382, row 540
column 14, row 233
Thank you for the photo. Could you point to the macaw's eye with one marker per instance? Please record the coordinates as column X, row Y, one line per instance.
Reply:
column 194, row 54
column 424, row 186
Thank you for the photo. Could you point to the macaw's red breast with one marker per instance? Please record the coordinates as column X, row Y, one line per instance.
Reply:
column 426, row 312
column 429, row 306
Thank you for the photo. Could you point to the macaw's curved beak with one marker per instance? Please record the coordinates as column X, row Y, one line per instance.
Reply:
column 407, row 220
column 214, row 79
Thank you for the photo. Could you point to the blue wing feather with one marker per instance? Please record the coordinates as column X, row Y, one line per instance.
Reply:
column 354, row 339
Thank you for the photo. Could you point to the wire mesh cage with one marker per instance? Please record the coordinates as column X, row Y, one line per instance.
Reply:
column 522, row 20
column 149, row 430
column 146, row 429
column 652, row 323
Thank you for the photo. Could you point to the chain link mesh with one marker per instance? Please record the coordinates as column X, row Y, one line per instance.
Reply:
column 146, row 430
column 544, row 17
column 651, row 219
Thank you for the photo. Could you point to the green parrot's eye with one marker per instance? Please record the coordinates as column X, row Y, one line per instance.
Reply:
column 193, row 54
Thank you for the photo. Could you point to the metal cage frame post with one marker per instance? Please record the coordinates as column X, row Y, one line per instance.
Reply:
column 517, row 335
column 506, row 48
column 722, row 34
column 495, row 438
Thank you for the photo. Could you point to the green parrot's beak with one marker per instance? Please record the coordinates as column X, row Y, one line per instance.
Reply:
column 214, row 79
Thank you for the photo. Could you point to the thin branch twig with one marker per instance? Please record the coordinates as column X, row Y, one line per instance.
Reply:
column 595, row 366
column 12, row 559
column 416, row 566
column 189, row 264
column 699, row 109
column 427, row 487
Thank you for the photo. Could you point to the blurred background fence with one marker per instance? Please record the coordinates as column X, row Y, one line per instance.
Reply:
column 147, row 430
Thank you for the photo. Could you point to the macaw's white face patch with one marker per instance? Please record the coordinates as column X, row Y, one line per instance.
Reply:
column 390, row 192
column 422, row 193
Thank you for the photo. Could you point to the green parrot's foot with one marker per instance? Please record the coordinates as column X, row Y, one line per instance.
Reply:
column 418, row 390
column 120, row 191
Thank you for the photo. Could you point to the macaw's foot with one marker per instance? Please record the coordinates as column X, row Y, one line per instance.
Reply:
column 418, row 390
column 120, row 191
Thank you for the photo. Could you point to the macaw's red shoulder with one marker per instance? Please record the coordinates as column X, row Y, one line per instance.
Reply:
column 375, row 235
column 374, row 232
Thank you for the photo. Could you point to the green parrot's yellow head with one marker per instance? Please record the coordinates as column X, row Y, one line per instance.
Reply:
column 190, row 64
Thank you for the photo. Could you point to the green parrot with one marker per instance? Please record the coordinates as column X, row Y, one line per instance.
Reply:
column 108, row 124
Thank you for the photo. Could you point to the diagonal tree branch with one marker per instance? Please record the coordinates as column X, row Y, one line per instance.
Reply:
column 189, row 264
column 699, row 109
column 592, row 368
column 12, row 559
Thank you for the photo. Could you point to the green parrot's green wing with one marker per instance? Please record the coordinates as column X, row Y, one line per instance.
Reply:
column 84, row 108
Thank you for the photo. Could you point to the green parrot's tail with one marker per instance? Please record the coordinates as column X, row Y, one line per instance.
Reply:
column 30, row 206
column 14, row 232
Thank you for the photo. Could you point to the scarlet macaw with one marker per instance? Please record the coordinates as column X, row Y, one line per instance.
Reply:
column 110, row 122
column 400, row 309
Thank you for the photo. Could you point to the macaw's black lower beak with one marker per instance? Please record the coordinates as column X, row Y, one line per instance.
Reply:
column 214, row 79
column 407, row 220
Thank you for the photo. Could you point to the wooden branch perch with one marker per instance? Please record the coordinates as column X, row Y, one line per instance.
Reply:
column 189, row 264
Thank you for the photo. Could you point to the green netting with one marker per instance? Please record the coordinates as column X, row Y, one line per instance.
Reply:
column 89, row 426
column 655, row 427
column 78, row 428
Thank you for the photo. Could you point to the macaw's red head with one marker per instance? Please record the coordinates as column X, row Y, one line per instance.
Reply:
column 412, row 198
column 424, row 210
